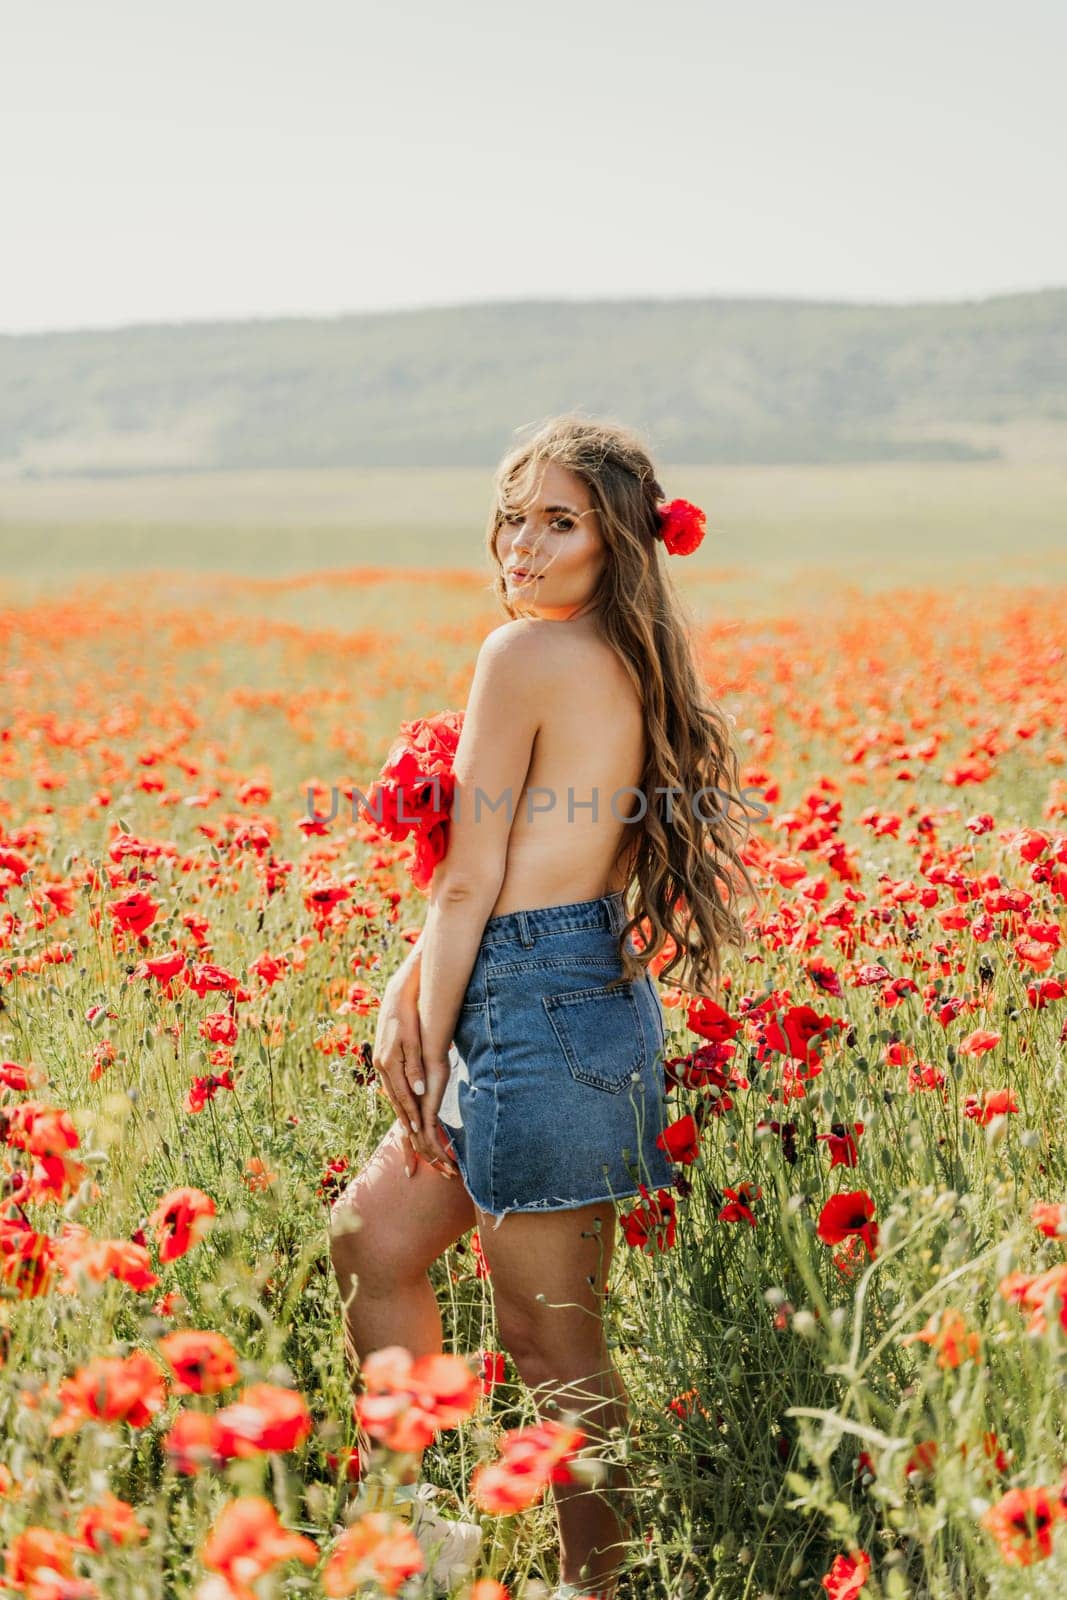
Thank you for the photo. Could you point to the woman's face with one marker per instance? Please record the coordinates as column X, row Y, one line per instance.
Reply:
column 552, row 551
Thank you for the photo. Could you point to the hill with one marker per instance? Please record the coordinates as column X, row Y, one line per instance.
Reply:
column 707, row 380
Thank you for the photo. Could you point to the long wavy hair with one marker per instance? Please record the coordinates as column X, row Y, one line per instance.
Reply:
column 688, row 869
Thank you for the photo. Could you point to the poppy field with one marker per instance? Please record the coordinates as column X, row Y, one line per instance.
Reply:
column 843, row 1328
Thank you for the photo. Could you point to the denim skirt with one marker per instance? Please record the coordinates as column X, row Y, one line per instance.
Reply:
column 556, row 1092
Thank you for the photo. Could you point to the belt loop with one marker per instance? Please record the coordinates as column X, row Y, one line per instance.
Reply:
column 524, row 931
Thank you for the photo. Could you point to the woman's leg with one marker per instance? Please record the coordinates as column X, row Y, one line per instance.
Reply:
column 381, row 1259
column 550, row 1273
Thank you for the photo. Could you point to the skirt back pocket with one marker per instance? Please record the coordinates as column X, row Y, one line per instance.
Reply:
column 600, row 1033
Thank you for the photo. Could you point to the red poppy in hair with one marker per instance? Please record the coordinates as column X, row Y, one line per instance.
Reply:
column 681, row 526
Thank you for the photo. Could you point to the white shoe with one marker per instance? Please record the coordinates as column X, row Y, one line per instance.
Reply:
column 450, row 1545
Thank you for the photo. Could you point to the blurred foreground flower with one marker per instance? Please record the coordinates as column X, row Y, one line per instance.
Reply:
column 246, row 1541
column 848, row 1575
column 406, row 1402
column 530, row 1459
column 40, row 1563
column 127, row 1389
column 379, row 1550
column 948, row 1334
column 1039, row 1293
column 180, row 1220
column 202, row 1362
column 109, row 1521
column 1021, row 1522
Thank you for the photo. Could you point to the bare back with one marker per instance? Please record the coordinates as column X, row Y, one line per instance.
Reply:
column 590, row 745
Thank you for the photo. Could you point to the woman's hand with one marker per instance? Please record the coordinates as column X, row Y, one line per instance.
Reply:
column 431, row 1131
column 397, row 1059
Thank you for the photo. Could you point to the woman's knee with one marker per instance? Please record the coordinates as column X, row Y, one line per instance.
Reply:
column 387, row 1229
column 366, row 1247
column 548, row 1346
column 521, row 1336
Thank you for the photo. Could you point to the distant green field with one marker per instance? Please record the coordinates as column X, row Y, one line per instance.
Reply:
column 778, row 536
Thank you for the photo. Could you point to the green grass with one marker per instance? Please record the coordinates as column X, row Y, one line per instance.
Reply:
column 769, row 527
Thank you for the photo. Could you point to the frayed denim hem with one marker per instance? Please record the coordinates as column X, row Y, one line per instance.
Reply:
column 537, row 1205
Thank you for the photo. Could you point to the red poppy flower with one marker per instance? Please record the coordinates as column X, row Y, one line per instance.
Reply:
column 682, row 526
column 378, row 1551
column 180, row 1220
column 27, row 1258
column 847, row 1576
column 135, row 911
column 202, row 1362
column 207, row 976
column 1033, row 1290
column 993, row 1103
column 195, row 1441
column 978, row 1042
column 219, row 1027
column 844, row 1214
column 201, row 1090
column 407, row 1402
column 737, row 1208
column 414, row 794
column 948, row 1334
column 924, row 1075
column 109, row 1520
column 247, row 1540
column 705, row 1068
column 111, row 1389
column 1049, row 1219
column 796, row 1033
column 922, row 1459
column 654, row 1221
column 162, row 968
column 493, row 1370
column 39, row 1562
column 19, row 1078
column 706, row 1017
column 78, row 1252
column 843, row 1151
column 482, row 1268
column 40, row 1130
column 1045, row 990
column 681, row 1140
column 1021, row 1522
column 530, row 1459
column 264, row 1417
column 54, row 1178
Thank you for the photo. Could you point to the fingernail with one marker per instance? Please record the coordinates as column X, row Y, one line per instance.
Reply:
column 414, row 1126
column 420, row 1087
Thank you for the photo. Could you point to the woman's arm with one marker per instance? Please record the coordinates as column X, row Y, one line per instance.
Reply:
column 455, row 923
column 509, row 694
column 397, row 1054
column 406, row 976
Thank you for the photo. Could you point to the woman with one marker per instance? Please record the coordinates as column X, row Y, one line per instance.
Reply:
column 521, row 1042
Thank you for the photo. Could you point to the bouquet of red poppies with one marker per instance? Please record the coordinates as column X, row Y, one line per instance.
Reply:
column 416, row 787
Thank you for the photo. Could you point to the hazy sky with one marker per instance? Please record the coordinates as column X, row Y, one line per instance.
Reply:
column 211, row 158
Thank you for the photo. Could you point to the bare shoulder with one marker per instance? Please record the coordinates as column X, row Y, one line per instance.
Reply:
column 524, row 644
column 536, row 655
